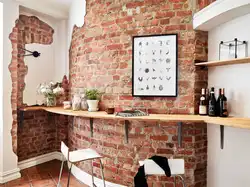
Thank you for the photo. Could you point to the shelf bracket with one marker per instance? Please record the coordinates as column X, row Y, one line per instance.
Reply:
column 222, row 136
column 180, row 134
column 91, row 122
column 200, row 61
column 126, row 126
column 21, row 118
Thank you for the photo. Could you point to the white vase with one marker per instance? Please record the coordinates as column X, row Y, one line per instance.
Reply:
column 93, row 105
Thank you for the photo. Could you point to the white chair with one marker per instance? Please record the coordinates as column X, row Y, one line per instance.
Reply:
column 78, row 156
column 177, row 168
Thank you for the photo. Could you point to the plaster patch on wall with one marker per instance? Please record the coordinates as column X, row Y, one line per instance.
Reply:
column 76, row 15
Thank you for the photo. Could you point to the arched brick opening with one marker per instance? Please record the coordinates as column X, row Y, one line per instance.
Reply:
column 27, row 30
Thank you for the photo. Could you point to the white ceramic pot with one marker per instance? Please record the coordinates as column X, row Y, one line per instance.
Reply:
column 93, row 105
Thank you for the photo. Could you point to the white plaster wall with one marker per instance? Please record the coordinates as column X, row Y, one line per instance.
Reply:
column 77, row 13
column 1, row 85
column 40, row 70
column 52, row 64
column 8, row 160
column 230, row 167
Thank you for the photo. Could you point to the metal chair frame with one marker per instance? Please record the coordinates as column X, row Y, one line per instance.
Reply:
column 70, row 168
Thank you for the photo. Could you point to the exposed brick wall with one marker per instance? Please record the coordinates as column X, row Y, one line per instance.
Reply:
column 101, row 51
column 203, row 3
column 28, row 29
column 145, row 140
column 36, row 136
column 101, row 57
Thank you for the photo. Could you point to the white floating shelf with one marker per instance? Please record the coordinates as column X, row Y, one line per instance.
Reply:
column 219, row 12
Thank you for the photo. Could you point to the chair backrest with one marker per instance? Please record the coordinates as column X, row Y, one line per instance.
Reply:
column 65, row 150
column 177, row 167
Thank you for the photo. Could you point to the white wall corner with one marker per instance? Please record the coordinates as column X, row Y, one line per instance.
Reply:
column 77, row 13
column 9, row 175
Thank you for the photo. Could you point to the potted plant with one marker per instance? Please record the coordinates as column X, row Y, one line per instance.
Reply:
column 93, row 97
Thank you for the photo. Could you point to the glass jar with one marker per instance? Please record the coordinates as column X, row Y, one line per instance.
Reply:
column 76, row 102
column 51, row 101
column 84, row 104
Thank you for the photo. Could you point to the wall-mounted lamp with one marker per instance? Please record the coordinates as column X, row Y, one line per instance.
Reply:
column 31, row 53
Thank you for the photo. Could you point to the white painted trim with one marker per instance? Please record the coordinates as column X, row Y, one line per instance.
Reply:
column 39, row 160
column 219, row 12
column 43, row 8
column 9, row 175
column 77, row 172
column 80, row 175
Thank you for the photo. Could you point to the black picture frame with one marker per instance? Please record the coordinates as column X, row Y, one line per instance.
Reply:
column 174, row 90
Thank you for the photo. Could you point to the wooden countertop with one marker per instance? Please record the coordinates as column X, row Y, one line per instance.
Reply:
column 229, row 121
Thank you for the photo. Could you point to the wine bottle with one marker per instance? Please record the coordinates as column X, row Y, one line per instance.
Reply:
column 212, row 103
column 207, row 98
column 203, row 103
column 218, row 104
column 223, row 104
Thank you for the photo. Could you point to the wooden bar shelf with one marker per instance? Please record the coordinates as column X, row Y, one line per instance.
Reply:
column 229, row 121
column 225, row 62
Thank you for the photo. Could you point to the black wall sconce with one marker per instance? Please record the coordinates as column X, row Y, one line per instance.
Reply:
column 31, row 53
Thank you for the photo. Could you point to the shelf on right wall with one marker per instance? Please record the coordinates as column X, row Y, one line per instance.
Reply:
column 225, row 62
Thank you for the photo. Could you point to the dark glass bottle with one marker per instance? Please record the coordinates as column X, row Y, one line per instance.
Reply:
column 212, row 103
column 223, row 104
column 203, row 103
column 207, row 98
column 218, row 104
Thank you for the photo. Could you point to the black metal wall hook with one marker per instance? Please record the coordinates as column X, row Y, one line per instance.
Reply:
column 31, row 53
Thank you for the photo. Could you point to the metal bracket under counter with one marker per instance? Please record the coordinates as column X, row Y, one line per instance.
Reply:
column 222, row 136
column 235, row 122
column 126, row 131
column 21, row 112
column 126, row 127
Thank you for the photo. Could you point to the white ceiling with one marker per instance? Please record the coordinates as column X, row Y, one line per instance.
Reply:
column 56, row 8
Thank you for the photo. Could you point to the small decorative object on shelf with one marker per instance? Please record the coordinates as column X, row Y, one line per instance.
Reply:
column 232, row 47
column 212, row 104
column 203, row 103
column 66, row 105
column 76, row 102
column 93, row 97
column 223, row 104
column 84, row 104
column 51, row 91
column 212, row 107
column 218, row 103
column 110, row 110
column 131, row 113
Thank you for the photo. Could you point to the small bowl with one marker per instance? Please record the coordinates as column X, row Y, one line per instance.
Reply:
column 67, row 105
column 110, row 110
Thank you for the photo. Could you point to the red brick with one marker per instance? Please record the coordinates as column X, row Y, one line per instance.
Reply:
column 126, row 97
column 134, row 4
column 160, row 138
column 114, row 47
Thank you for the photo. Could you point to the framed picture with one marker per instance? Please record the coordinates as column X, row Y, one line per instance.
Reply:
column 155, row 65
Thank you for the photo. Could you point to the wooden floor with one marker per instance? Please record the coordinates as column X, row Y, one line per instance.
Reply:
column 44, row 175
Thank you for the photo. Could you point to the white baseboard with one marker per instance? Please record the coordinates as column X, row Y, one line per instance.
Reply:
column 9, row 175
column 77, row 172
column 39, row 160
column 87, row 178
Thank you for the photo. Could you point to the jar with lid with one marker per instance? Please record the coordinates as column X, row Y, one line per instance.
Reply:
column 84, row 104
column 76, row 102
